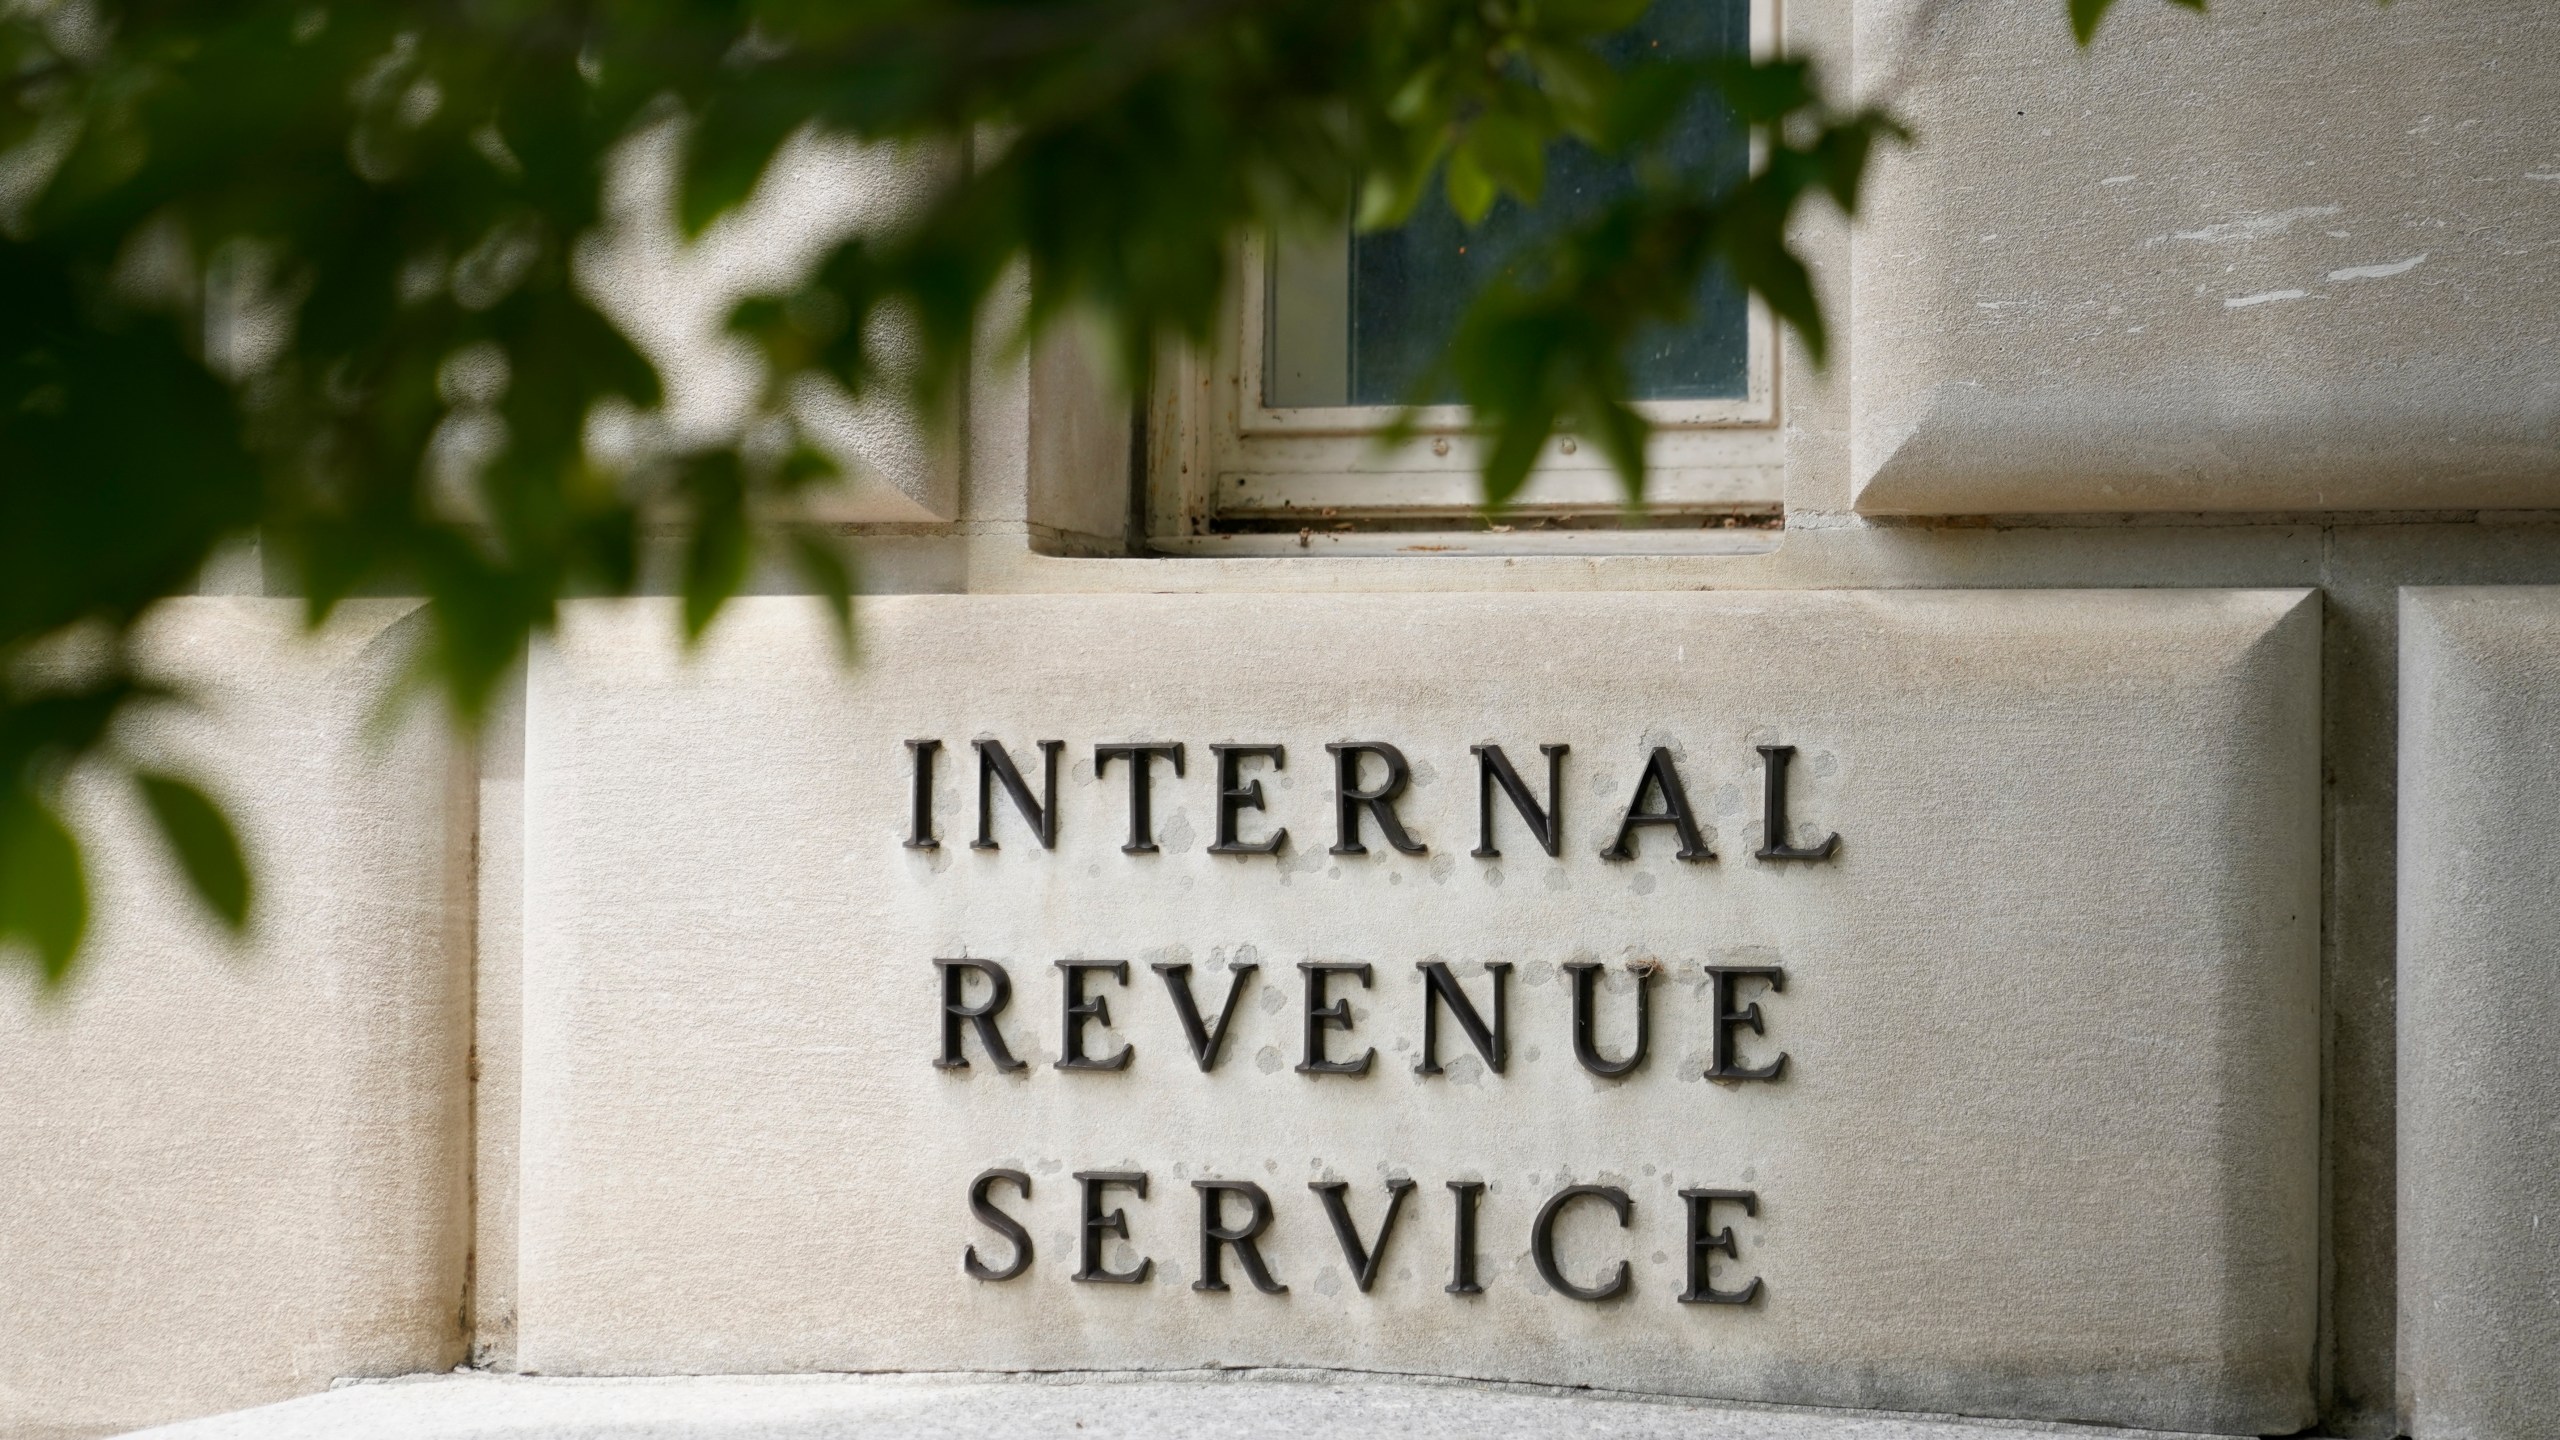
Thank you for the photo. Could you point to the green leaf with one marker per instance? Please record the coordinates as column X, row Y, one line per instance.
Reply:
column 1645, row 100
column 805, row 466
column 727, row 151
column 1579, row 82
column 1387, row 196
column 44, row 900
column 825, row 566
column 2085, row 15
column 1763, row 262
column 1517, row 438
column 1418, row 95
column 206, row 847
column 716, row 561
column 1471, row 191
column 1510, row 152
column 1843, row 152
column 1765, row 92
column 1621, row 433
column 1597, row 17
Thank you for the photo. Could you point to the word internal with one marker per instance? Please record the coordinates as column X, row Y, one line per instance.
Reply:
column 1660, row 799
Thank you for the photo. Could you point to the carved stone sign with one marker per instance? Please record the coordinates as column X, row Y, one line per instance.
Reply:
column 1902, row 1000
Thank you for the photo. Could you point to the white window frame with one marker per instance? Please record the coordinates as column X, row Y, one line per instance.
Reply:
column 1229, row 474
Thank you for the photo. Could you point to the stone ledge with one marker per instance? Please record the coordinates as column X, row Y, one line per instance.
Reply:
column 1235, row 1403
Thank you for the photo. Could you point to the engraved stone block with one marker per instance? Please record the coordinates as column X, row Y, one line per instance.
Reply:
column 2003, row 1101
column 2479, row 996
column 231, row 1173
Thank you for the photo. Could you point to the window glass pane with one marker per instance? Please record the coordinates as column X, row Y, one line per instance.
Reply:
column 1358, row 319
column 1307, row 328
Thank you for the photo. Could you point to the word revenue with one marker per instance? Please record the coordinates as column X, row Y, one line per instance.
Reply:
column 1370, row 776
column 1235, row 1213
column 1323, row 1014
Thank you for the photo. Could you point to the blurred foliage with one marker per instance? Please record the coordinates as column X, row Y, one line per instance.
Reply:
column 308, row 272
column 2087, row 14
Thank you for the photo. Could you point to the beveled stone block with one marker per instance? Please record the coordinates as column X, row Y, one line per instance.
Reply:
column 2479, row 996
column 2273, row 258
column 2043, row 1142
column 232, row 1173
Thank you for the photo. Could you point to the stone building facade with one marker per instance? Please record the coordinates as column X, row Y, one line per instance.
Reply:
column 2097, row 730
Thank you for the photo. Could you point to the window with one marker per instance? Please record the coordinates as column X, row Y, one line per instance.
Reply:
column 1271, row 445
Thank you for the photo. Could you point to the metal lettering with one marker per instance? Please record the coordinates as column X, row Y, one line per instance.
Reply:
column 1545, row 822
column 1205, row 1042
column 1216, row 1237
column 1237, row 795
column 1662, row 778
column 1097, row 1224
column 1142, row 770
column 1773, row 813
column 1349, row 800
column 1440, row 987
column 1364, row 1260
column 1337, row 1016
column 1726, row 1020
column 1076, row 1012
column 1542, row 1243
column 1463, row 1195
column 996, row 767
column 1586, row 1039
column 982, row 1016
column 1705, row 1244
column 920, row 834
column 1001, row 1223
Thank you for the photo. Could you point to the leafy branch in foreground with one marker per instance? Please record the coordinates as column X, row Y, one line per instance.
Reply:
column 308, row 272
column 1546, row 347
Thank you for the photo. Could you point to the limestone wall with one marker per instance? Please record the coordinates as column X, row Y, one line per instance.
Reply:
column 2158, row 581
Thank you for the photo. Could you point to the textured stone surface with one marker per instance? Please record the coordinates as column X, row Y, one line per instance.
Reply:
column 2291, row 256
column 232, row 1174
column 2046, row 1142
column 1279, row 1405
column 673, row 295
column 2479, row 1012
column 497, row 1007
